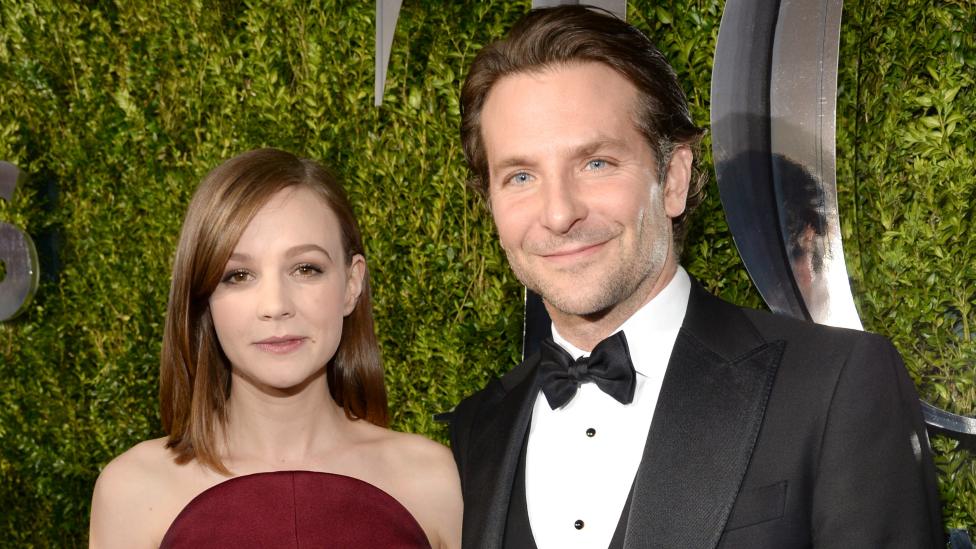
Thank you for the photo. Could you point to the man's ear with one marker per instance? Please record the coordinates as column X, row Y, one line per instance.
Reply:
column 356, row 273
column 484, row 193
column 677, row 180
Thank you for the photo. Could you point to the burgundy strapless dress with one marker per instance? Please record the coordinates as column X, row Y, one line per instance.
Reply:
column 294, row 509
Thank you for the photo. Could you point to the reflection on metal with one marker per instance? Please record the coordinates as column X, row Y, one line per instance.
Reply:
column 951, row 425
column 10, row 178
column 17, row 254
column 802, row 112
column 742, row 152
column 616, row 7
column 387, row 12
column 20, row 271
column 774, row 87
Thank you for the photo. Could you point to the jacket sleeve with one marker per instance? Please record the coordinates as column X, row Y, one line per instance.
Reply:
column 875, row 482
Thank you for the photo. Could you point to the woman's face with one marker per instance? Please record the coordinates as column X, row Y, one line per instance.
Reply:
column 279, row 307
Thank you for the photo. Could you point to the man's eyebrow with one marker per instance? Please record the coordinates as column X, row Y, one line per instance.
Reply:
column 511, row 162
column 592, row 147
column 584, row 149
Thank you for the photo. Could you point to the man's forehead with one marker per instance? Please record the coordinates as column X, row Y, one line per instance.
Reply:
column 539, row 73
column 579, row 106
column 558, row 90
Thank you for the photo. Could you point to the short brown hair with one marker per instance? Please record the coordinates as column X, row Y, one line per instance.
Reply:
column 194, row 372
column 563, row 35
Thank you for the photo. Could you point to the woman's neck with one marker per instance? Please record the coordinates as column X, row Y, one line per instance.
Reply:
column 282, row 429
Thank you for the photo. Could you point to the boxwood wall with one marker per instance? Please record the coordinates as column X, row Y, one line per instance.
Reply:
column 118, row 109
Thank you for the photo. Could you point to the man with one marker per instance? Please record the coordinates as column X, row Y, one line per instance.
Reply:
column 694, row 423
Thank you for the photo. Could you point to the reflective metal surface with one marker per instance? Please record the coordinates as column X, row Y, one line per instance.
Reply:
column 17, row 254
column 802, row 111
column 20, row 265
column 952, row 425
column 387, row 12
column 774, row 87
column 742, row 152
column 10, row 178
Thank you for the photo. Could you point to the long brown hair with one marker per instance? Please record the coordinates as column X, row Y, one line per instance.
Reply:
column 194, row 373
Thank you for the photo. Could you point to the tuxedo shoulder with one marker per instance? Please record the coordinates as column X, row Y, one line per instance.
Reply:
column 497, row 387
column 732, row 331
column 774, row 326
column 815, row 351
column 469, row 406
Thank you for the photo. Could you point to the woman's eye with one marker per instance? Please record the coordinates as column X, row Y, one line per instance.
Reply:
column 237, row 276
column 307, row 270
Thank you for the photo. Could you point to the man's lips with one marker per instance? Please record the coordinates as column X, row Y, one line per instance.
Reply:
column 280, row 345
column 573, row 254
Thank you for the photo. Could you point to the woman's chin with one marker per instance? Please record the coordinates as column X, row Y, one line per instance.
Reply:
column 286, row 384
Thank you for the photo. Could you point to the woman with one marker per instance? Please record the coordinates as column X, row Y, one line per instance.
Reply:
column 271, row 390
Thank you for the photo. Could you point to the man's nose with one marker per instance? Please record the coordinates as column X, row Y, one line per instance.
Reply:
column 563, row 204
column 274, row 300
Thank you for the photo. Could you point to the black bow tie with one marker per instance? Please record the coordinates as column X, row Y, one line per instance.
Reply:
column 608, row 366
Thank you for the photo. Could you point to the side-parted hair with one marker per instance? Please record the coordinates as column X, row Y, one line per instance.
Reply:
column 572, row 34
column 194, row 372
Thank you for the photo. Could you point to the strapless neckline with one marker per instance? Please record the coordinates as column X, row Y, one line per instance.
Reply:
column 294, row 509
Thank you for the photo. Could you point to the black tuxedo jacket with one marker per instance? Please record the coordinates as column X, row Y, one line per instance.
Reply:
column 768, row 433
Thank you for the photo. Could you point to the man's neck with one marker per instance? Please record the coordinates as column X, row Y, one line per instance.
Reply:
column 585, row 331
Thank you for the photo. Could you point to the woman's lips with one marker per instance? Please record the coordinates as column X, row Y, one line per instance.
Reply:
column 280, row 345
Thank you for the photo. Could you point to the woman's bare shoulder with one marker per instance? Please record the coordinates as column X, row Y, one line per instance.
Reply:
column 418, row 452
column 427, row 478
column 147, row 455
column 128, row 494
column 131, row 472
column 406, row 455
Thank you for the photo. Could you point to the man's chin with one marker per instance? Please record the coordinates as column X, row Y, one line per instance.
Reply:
column 578, row 294
column 575, row 303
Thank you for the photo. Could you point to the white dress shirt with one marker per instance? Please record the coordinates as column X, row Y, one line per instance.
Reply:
column 581, row 459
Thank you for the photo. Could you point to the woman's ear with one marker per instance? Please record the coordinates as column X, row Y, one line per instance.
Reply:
column 356, row 274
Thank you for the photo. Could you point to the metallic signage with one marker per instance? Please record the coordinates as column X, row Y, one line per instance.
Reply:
column 18, row 257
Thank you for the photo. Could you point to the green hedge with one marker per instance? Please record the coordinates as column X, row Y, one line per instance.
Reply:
column 118, row 109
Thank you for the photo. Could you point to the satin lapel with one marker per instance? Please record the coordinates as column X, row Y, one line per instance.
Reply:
column 704, row 429
column 494, row 454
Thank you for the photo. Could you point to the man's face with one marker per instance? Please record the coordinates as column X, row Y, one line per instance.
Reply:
column 573, row 189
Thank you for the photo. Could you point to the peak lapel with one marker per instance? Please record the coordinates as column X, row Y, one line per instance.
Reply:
column 705, row 426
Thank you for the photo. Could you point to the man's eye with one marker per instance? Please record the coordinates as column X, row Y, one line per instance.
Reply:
column 521, row 178
column 597, row 164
